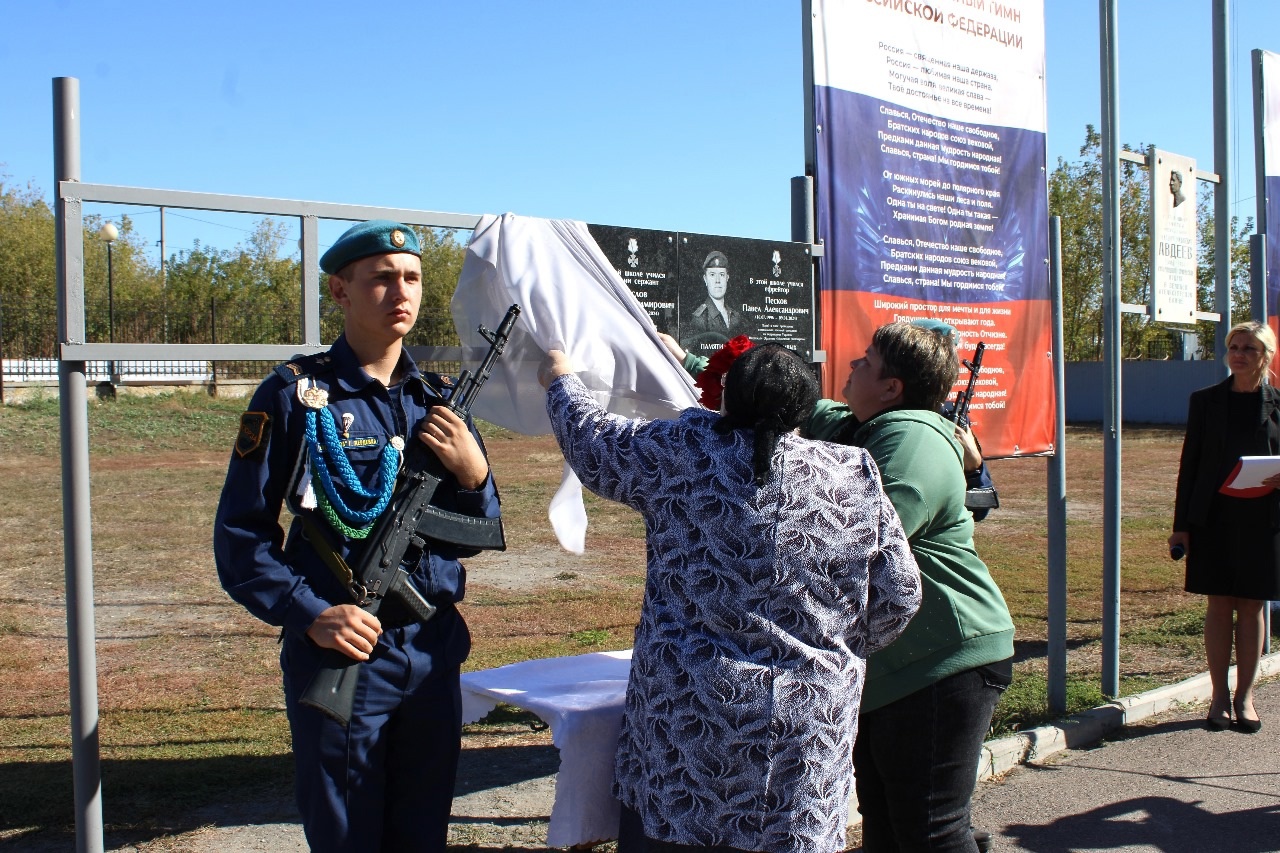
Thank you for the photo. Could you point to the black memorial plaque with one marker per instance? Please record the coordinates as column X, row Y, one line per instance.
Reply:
column 703, row 289
column 646, row 261
column 735, row 286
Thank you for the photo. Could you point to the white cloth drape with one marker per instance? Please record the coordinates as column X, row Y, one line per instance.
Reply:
column 573, row 300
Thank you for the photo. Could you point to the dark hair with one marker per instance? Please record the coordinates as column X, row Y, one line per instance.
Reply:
column 924, row 360
column 770, row 390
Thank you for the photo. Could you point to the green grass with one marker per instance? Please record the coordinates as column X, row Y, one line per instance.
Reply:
column 590, row 637
column 162, row 423
column 156, row 765
column 1025, row 704
column 1183, row 629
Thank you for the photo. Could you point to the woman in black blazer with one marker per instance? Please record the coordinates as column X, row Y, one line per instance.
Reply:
column 1232, row 543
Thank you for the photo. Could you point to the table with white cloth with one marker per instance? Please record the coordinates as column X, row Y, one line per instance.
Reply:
column 581, row 698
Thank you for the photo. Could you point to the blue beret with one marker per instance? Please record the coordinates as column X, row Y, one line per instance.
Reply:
column 375, row 237
column 933, row 325
column 716, row 259
column 938, row 327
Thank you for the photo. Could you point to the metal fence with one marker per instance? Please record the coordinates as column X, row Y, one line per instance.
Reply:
column 17, row 371
column 137, row 372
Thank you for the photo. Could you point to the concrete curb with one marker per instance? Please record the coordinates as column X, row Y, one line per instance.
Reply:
column 1089, row 727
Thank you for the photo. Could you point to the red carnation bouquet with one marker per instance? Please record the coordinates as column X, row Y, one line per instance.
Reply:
column 711, row 380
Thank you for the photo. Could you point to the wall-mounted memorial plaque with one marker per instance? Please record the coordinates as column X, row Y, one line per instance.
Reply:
column 702, row 289
column 734, row 286
column 1174, row 237
column 646, row 261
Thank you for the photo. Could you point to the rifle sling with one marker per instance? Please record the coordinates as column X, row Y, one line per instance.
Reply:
column 331, row 558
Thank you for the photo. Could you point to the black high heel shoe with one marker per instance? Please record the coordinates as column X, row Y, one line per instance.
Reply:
column 1246, row 725
column 1219, row 723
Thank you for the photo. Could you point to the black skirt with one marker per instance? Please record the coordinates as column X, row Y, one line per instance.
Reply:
column 1238, row 552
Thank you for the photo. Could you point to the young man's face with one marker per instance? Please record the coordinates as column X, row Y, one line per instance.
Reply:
column 380, row 296
column 865, row 391
column 717, row 281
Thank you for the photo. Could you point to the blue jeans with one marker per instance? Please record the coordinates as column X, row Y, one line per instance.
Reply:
column 916, row 762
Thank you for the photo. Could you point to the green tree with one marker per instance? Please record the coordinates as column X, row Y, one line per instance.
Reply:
column 1241, row 297
column 28, row 275
column 124, row 304
column 442, row 258
column 1075, row 193
column 27, row 297
column 248, row 294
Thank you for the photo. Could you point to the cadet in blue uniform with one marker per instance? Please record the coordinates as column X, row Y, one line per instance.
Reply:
column 324, row 435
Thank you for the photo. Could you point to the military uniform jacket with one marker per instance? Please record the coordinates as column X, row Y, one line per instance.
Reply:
column 285, row 581
column 707, row 318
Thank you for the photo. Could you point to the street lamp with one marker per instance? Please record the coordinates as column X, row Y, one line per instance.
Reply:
column 109, row 232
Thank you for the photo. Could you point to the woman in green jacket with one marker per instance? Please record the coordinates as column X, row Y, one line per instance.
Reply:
column 929, row 696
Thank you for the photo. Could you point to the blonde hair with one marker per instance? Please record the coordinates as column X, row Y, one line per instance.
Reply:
column 1262, row 333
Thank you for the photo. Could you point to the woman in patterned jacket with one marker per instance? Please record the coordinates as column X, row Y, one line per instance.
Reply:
column 775, row 566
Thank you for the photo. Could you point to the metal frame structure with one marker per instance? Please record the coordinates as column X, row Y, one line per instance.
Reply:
column 72, row 194
column 1114, row 307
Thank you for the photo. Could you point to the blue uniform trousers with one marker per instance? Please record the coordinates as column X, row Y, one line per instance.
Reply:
column 385, row 782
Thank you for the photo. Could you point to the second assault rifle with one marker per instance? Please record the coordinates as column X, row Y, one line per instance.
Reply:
column 960, row 414
column 402, row 533
column 979, row 496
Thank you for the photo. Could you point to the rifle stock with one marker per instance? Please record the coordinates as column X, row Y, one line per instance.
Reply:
column 402, row 534
column 332, row 690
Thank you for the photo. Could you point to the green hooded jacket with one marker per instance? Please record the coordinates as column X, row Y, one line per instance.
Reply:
column 963, row 621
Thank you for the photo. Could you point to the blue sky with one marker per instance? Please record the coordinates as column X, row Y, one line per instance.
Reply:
column 679, row 115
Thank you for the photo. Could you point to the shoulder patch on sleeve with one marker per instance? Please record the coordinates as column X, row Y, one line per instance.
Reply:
column 253, row 434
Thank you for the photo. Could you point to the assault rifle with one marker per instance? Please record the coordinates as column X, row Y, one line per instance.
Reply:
column 403, row 532
column 960, row 413
column 977, row 497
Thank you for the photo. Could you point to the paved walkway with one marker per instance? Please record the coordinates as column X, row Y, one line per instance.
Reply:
column 1161, row 784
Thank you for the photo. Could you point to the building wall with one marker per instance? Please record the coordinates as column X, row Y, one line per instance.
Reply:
column 1152, row 392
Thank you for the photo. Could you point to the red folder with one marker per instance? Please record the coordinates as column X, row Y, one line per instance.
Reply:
column 1250, row 492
